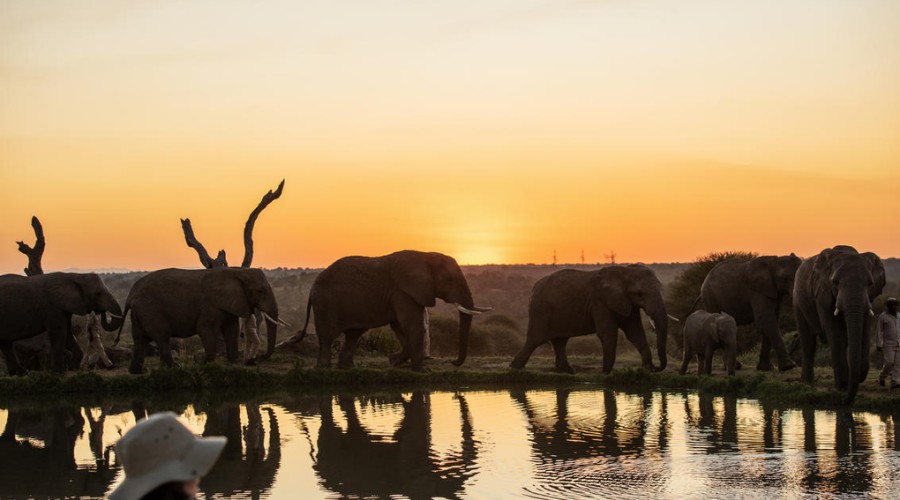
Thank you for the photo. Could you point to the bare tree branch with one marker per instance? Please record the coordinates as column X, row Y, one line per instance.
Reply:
column 37, row 252
column 251, row 221
column 205, row 259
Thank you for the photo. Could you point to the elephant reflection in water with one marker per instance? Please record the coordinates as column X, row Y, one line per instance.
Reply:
column 849, row 470
column 563, row 442
column 251, row 470
column 721, row 438
column 33, row 470
column 356, row 463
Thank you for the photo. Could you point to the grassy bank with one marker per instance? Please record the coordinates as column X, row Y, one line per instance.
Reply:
column 286, row 373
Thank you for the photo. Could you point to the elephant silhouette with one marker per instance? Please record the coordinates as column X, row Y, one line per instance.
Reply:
column 251, row 469
column 50, row 469
column 356, row 463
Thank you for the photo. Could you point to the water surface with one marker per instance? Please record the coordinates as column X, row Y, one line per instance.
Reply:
column 475, row 444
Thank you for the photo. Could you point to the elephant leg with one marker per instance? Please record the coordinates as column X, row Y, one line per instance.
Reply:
column 140, row 340
column 864, row 362
column 562, row 361
column 351, row 337
column 412, row 323
column 524, row 354
column 765, row 351
column 634, row 332
column 165, row 350
column 708, row 359
column 73, row 347
column 231, row 331
column 609, row 340
column 210, row 339
column 808, row 346
column 58, row 341
column 12, row 363
column 767, row 326
column 535, row 331
column 701, row 362
column 686, row 358
column 398, row 358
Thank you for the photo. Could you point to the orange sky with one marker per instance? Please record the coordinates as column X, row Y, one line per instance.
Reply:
column 492, row 131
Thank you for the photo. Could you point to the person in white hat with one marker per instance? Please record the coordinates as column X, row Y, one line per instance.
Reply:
column 163, row 459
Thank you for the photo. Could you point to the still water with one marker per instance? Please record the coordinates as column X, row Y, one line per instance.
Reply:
column 475, row 444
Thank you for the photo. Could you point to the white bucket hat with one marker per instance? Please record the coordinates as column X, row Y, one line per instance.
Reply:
column 160, row 449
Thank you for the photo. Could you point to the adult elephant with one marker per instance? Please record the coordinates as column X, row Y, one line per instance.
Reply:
column 32, row 305
column 355, row 294
column 833, row 295
column 751, row 291
column 569, row 303
column 179, row 303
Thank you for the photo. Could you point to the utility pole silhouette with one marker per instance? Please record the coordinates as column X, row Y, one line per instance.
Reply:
column 610, row 257
column 582, row 256
column 554, row 256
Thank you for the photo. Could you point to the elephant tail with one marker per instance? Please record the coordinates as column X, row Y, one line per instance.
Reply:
column 302, row 333
column 693, row 306
column 121, row 326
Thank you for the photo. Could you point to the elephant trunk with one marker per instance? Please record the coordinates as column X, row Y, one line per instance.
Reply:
column 854, row 318
column 271, row 333
column 731, row 357
column 113, row 324
column 465, row 326
column 658, row 314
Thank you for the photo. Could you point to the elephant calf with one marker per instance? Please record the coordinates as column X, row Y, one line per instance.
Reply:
column 704, row 333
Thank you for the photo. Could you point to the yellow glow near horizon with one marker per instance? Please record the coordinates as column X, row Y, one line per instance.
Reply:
column 496, row 131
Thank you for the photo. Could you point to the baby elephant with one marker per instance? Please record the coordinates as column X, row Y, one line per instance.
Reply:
column 705, row 332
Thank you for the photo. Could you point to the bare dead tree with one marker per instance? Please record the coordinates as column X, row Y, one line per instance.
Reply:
column 36, row 252
column 220, row 260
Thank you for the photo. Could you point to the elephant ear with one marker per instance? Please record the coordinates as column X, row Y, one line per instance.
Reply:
column 822, row 271
column 67, row 294
column 760, row 279
column 876, row 268
column 225, row 292
column 612, row 291
column 413, row 275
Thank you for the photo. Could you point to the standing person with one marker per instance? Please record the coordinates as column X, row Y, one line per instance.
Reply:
column 887, row 340
column 164, row 460
column 251, row 336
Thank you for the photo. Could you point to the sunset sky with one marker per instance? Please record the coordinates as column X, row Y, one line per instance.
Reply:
column 493, row 131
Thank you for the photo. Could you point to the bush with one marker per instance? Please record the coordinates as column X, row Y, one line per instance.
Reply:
column 685, row 289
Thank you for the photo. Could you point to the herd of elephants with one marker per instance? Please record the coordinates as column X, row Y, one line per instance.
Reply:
column 832, row 292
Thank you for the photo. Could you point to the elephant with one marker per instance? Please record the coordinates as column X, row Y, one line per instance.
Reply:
column 751, row 291
column 31, row 305
column 180, row 303
column 570, row 303
column 355, row 294
column 833, row 296
column 704, row 332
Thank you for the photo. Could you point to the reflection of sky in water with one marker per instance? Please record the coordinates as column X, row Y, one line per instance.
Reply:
column 486, row 444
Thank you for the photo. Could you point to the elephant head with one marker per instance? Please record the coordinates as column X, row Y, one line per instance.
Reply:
column 77, row 293
column 426, row 276
column 847, row 283
column 722, row 330
column 772, row 276
column 241, row 292
column 622, row 288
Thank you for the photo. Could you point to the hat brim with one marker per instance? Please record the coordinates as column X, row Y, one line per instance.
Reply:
column 198, row 460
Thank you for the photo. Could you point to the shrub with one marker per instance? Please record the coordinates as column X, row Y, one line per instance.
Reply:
column 685, row 289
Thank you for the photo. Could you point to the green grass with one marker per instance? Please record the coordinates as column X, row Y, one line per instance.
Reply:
column 201, row 382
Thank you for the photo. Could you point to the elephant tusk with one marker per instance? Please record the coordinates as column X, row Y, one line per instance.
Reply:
column 836, row 311
column 482, row 308
column 652, row 325
column 464, row 310
column 276, row 321
column 111, row 315
column 673, row 318
column 871, row 312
